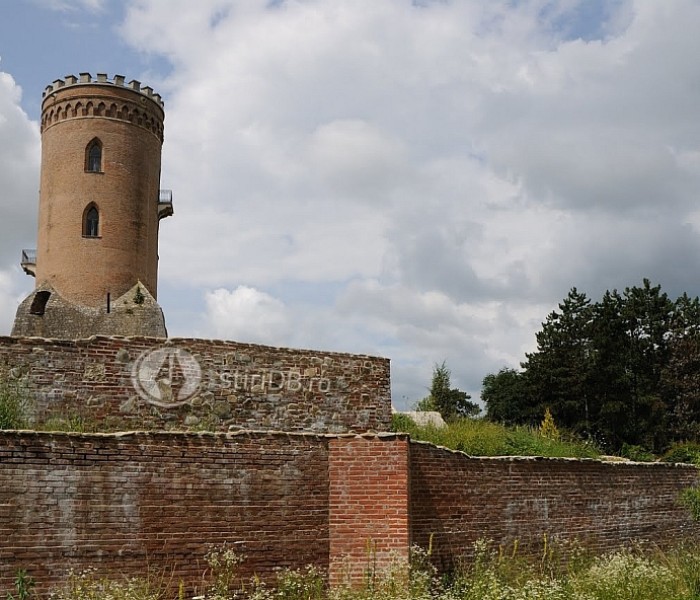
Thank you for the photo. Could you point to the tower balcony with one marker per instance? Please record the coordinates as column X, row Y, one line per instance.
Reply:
column 28, row 262
column 165, row 204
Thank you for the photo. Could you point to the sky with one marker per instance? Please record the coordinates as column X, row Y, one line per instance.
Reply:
column 422, row 180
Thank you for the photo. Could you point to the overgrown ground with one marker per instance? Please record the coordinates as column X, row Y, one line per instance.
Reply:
column 495, row 574
column 480, row 437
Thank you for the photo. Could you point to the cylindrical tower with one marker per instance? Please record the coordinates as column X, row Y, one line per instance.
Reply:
column 99, row 208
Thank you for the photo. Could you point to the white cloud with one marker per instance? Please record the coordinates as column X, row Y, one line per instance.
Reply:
column 72, row 5
column 19, row 184
column 247, row 315
column 420, row 180
column 453, row 168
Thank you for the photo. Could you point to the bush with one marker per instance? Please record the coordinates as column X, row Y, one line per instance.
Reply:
column 690, row 498
column 480, row 437
column 637, row 453
column 13, row 405
column 683, row 452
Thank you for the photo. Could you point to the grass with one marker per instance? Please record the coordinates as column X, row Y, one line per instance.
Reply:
column 14, row 402
column 479, row 437
column 496, row 573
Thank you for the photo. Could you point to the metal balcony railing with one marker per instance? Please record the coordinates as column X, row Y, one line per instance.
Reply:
column 28, row 262
column 165, row 204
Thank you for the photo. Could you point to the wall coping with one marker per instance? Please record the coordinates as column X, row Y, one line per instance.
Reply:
column 224, row 435
column 28, row 340
column 560, row 459
column 382, row 436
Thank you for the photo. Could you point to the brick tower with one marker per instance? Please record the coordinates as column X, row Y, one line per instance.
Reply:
column 100, row 204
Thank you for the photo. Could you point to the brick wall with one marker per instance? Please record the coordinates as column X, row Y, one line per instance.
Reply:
column 460, row 499
column 122, row 502
column 368, row 505
column 349, row 504
column 243, row 386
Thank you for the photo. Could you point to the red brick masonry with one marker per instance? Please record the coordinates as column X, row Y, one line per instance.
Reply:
column 124, row 503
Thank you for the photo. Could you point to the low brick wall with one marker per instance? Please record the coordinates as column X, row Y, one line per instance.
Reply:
column 603, row 505
column 242, row 386
column 368, row 505
column 349, row 504
column 122, row 503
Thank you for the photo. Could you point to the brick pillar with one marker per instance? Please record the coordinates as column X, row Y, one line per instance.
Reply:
column 368, row 507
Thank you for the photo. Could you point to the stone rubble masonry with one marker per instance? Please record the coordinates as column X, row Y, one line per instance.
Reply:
column 243, row 386
column 350, row 504
column 67, row 320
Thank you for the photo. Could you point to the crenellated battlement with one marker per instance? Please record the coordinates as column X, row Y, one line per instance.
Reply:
column 102, row 79
column 87, row 97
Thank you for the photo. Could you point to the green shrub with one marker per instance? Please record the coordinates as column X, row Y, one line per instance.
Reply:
column 683, row 452
column 14, row 405
column 690, row 498
column 480, row 437
column 24, row 586
column 637, row 453
column 402, row 423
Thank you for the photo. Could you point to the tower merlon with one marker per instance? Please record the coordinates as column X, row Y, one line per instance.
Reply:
column 102, row 79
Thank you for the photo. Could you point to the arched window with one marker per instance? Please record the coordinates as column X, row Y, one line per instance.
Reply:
column 93, row 157
column 91, row 222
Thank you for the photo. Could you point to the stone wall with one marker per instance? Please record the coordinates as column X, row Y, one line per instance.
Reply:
column 56, row 317
column 459, row 499
column 241, row 386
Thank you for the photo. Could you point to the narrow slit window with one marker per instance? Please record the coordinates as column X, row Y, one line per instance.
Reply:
column 91, row 227
column 93, row 159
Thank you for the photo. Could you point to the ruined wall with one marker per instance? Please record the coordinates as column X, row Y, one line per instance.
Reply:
column 111, row 382
column 59, row 318
column 460, row 499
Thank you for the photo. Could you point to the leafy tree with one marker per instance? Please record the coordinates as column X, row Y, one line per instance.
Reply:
column 504, row 395
column 448, row 401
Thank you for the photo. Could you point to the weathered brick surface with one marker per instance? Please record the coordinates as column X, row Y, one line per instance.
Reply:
column 349, row 504
column 129, row 125
column 122, row 502
column 368, row 505
column 460, row 499
column 86, row 275
column 244, row 386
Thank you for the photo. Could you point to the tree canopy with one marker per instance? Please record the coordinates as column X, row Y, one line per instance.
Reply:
column 450, row 402
column 623, row 370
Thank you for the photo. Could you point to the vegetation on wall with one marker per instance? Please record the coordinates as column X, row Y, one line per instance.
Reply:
column 14, row 409
column 480, row 437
